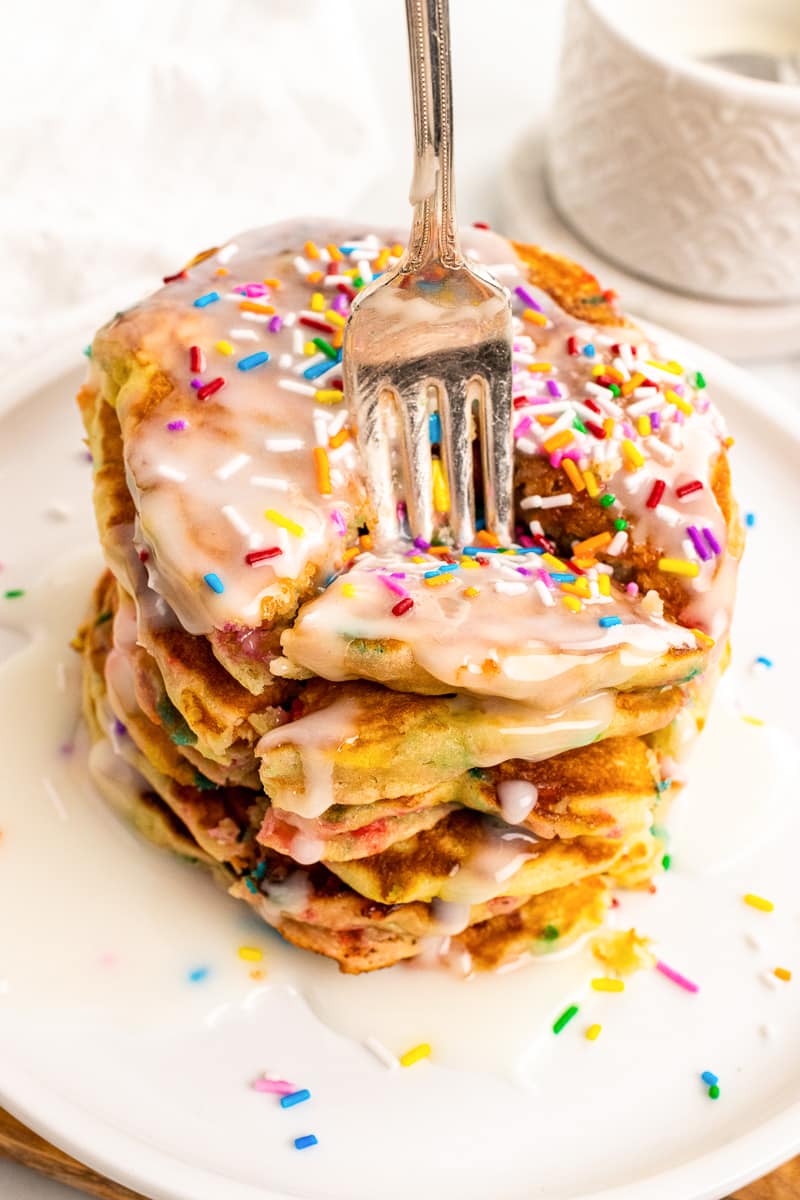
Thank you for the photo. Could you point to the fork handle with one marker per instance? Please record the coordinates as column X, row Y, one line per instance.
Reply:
column 433, row 234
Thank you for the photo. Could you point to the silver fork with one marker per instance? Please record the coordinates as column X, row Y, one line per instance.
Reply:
column 433, row 333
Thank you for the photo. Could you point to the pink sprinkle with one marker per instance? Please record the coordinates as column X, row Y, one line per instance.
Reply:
column 555, row 460
column 526, row 541
column 255, row 289
column 679, row 418
column 339, row 303
column 522, row 427
column 390, row 583
column 627, row 429
column 339, row 522
column 676, row 977
column 276, row 1087
column 632, row 589
column 572, row 453
column 545, row 578
column 275, row 324
column 553, row 387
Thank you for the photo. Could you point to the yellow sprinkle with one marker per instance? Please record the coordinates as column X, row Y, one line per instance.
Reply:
column 353, row 552
column 604, row 585
column 593, row 1032
column 573, row 474
column 678, row 566
column 253, row 306
column 251, row 953
column 441, row 492
column 334, row 252
column 224, row 347
column 643, row 426
column 348, row 590
column 592, row 486
column 552, row 561
column 317, row 302
column 351, row 271
column 751, row 720
column 314, row 276
column 418, row 558
column 673, row 367
column 470, row 592
column 758, row 902
column 310, row 250
column 309, row 348
column 535, row 318
column 598, row 369
column 397, row 250
column 608, row 426
column 579, row 588
column 678, row 401
column 437, row 580
column 589, row 545
column 257, row 974
column 284, row 522
column 323, row 469
column 703, row 640
column 410, row 1057
column 327, row 395
column 630, row 385
column 543, row 366
column 783, row 973
column 632, row 455
column 559, row 441
column 381, row 262
column 335, row 318
column 572, row 603
column 604, row 984
column 339, row 438
column 469, row 564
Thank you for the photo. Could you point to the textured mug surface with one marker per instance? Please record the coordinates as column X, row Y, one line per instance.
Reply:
column 680, row 171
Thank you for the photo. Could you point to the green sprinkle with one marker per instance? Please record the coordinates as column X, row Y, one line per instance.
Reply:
column 14, row 593
column 565, row 1018
column 104, row 616
column 594, row 299
column 700, row 382
column 663, row 785
column 549, row 933
column 358, row 282
column 713, row 1091
column 87, row 350
column 607, row 500
column 615, row 389
column 325, row 347
column 620, row 524
column 666, row 861
column 579, row 425
column 203, row 784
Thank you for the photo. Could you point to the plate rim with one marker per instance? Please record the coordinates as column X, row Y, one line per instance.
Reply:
column 159, row 1174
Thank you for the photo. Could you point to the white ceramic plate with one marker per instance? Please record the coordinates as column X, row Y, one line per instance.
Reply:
column 107, row 1049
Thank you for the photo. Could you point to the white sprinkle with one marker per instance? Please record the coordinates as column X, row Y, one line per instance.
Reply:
column 300, row 265
column 232, row 466
column 531, row 502
column 381, row 1053
column 365, row 270
column 543, row 592
column 285, row 361
column 617, row 543
column 642, row 406
column 59, row 512
column 668, row 514
column 752, row 941
column 536, row 527
column 227, row 252
column 280, row 445
column 337, row 424
column 510, row 589
column 769, row 980
column 294, row 385
column 623, row 370
column 298, row 342
column 55, row 799
column 171, row 473
column 557, row 501
column 277, row 485
column 244, row 335
column 332, row 280
column 661, row 453
column 289, row 320
column 313, row 360
column 320, row 429
column 237, row 520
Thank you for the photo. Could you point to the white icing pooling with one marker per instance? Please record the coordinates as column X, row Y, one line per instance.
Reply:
column 196, row 525
column 517, row 799
column 499, row 641
column 317, row 737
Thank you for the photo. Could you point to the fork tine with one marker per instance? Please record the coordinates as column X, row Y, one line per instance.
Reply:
column 416, row 450
column 498, row 453
column 376, row 452
column 455, row 412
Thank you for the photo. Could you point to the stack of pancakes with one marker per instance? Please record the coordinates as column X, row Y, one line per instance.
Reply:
column 398, row 751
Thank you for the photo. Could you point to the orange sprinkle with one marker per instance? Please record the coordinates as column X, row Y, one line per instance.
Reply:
column 382, row 260
column 365, row 541
column 272, row 283
column 323, row 470
column 351, row 553
column 339, row 438
column 630, row 385
column 592, row 486
column 337, row 339
column 334, row 252
column 253, row 306
column 311, row 250
column 535, row 318
column 591, row 544
column 608, row 426
column 470, row 592
column 541, row 367
column 485, row 538
column 221, row 271
column 397, row 250
column 783, row 973
column 573, row 474
column 315, row 276
column 546, row 419
column 559, row 441
column 438, row 550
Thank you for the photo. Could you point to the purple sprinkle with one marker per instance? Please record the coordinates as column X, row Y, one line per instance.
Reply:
column 174, row 425
column 119, row 728
column 523, row 571
column 421, row 544
column 339, row 303
column 397, row 574
column 275, row 324
column 712, row 542
column 197, row 383
column 553, row 387
column 697, row 542
column 526, row 296
column 655, row 420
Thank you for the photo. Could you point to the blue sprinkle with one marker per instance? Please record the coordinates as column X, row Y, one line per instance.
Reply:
column 749, row 520
column 710, row 1078
column 253, row 360
column 302, row 1143
column 198, row 974
column 347, row 249
column 607, row 622
column 434, row 427
column 664, row 785
column 87, row 350
column 471, row 551
column 260, row 870
column 562, row 576
column 295, row 1098
column 214, row 582
column 589, row 350
column 209, row 298
column 431, row 574
column 251, row 887
column 530, row 550
column 765, row 662
column 480, row 524
column 445, row 568
column 318, row 369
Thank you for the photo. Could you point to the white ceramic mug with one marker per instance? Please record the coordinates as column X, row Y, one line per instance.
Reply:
column 676, row 169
